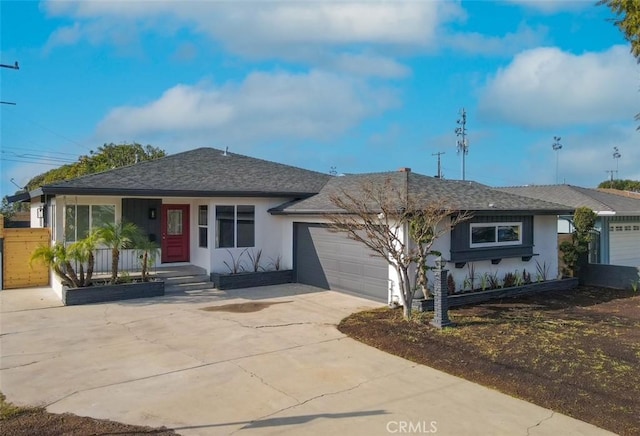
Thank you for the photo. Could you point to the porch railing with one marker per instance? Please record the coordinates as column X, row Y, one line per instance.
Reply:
column 130, row 262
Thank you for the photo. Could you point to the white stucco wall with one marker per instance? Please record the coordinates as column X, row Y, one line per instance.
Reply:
column 545, row 240
column 36, row 222
column 269, row 235
column 545, row 246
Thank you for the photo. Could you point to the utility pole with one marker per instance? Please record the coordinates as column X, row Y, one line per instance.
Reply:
column 440, row 175
column 462, row 144
column 610, row 172
column 557, row 147
column 15, row 66
column 616, row 157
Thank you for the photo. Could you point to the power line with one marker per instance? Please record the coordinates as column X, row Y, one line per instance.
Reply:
column 30, row 161
column 13, row 67
column 39, row 150
column 43, row 127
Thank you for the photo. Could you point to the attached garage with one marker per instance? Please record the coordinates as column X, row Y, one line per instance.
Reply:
column 624, row 243
column 331, row 260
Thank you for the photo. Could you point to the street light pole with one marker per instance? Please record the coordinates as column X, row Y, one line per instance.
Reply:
column 557, row 147
column 616, row 157
column 15, row 66
column 462, row 144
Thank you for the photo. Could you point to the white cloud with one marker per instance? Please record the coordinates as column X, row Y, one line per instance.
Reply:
column 67, row 35
column 264, row 107
column 546, row 87
column 261, row 26
column 586, row 157
column 506, row 45
column 368, row 65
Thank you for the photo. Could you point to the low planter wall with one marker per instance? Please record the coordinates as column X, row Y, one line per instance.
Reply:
column 495, row 294
column 102, row 293
column 609, row 276
column 251, row 279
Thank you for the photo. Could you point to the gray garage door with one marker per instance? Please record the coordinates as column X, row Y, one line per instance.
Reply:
column 332, row 261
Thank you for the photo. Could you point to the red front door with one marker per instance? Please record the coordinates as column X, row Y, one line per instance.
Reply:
column 175, row 233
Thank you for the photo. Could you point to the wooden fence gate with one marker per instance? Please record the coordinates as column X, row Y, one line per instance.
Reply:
column 18, row 245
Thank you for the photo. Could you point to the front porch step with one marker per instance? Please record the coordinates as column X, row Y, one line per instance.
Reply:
column 184, row 278
column 187, row 287
column 179, row 280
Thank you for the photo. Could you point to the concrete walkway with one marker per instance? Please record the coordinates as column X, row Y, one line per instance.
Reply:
column 283, row 369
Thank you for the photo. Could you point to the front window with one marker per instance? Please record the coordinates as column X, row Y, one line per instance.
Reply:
column 80, row 220
column 495, row 234
column 203, row 230
column 235, row 226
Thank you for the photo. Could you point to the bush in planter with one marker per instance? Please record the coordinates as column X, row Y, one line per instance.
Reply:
column 584, row 220
column 62, row 259
column 236, row 266
column 118, row 237
column 148, row 252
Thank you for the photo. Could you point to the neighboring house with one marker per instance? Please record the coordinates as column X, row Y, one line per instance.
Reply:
column 203, row 205
column 618, row 222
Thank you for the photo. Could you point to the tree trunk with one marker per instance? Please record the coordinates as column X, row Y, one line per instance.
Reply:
column 406, row 311
column 64, row 276
column 81, row 274
column 71, row 274
column 145, row 273
column 115, row 259
column 90, row 265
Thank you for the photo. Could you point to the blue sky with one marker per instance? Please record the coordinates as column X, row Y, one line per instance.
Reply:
column 363, row 87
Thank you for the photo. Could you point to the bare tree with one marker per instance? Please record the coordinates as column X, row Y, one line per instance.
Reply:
column 396, row 227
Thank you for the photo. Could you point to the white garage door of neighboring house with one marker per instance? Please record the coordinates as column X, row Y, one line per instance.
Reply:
column 624, row 244
column 333, row 261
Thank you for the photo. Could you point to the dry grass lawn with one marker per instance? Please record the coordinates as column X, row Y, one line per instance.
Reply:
column 575, row 352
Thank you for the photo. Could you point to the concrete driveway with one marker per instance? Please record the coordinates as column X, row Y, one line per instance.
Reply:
column 284, row 369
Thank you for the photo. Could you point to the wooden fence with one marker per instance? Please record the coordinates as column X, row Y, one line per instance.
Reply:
column 18, row 245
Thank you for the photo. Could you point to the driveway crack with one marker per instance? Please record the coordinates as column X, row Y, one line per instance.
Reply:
column 540, row 422
column 129, row 329
column 292, row 324
column 308, row 400
column 253, row 374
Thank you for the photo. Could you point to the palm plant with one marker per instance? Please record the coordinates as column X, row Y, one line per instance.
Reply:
column 82, row 252
column 148, row 251
column 119, row 236
column 59, row 258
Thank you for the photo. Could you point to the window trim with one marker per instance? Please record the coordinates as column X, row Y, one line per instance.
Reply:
column 235, row 226
column 203, row 226
column 496, row 226
column 91, row 226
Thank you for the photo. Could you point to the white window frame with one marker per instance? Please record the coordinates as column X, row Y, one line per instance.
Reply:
column 496, row 226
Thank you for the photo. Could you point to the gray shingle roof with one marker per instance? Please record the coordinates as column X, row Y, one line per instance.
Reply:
column 199, row 172
column 459, row 195
column 575, row 196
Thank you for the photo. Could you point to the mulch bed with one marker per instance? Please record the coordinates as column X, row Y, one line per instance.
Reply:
column 575, row 352
column 42, row 423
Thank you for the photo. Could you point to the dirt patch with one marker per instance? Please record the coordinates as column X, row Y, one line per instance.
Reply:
column 22, row 421
column 576, row 352
column 249, row 307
